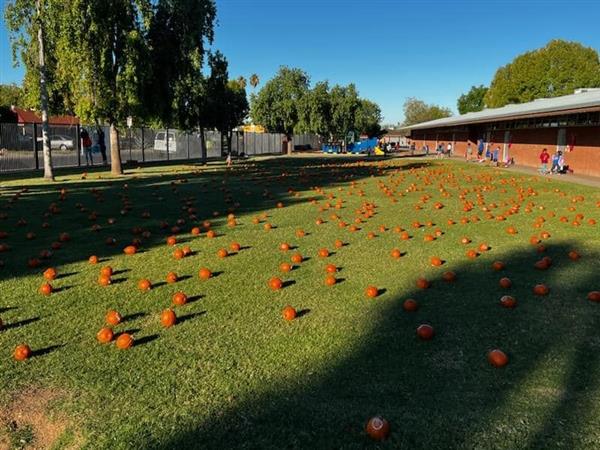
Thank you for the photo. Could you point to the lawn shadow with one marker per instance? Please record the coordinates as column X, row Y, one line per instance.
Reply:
column 186, row 317
column 65, row 275
column 63, row 289
column 20, row 323
column 288, row 283
column 302, row 312
column 146, row 339
column 46, row 350
column 7, row 308
column 195, row 298
column 134, row 316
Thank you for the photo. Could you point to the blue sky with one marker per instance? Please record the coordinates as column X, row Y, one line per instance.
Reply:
column 433, row 50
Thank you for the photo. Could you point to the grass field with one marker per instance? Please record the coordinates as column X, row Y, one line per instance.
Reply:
column 232, row 373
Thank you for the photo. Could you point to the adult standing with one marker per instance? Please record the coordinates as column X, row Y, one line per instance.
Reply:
column 86, row 143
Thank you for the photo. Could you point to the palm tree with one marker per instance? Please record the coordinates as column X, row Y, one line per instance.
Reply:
column 254, row 80
column 242, row 81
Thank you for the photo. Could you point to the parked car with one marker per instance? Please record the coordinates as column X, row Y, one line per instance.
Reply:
column 160, row 142
column 59, row 142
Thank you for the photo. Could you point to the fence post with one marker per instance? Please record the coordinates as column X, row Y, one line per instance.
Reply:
column 167, row 138
column 35, row 150
column 143, row 152
column 78, row 146
column 187, row 135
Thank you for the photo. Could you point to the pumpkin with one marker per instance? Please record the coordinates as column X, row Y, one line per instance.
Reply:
column 204, row 273
column 267, row 226
column 50, row 274
column 288, row 313
column 275, row 283
column 338, row 243
column 497, row 358
column 508, row 301
column 410, row 305
column 425, row 332
column 498, row 266
column 330, row 268
column 93, row 259
column 396, row 253
column 472, row 254
column 297, row 258
column 106, row 271
column 483, row 247
column 574, row 255
column 541, row 289
column 300, row 233
column 195, row 231
column 449, row 276
column 104, row 280
column 330, row 280
column 144, row 285
column 323, row 253
column 423, row 283
column 168, row 318
column 505, row 283
column 130, row 250
column 113, row 318
column 222, row 253
column 436, row 261
column 235, row 247
column 284, row 246
column 211, row 234
column 372, row 292
column 171, row 241
column 105, row 335
column 46, row 289
column 178, row 253
column 124, row 341
column 285, row 267
column 378, row 428
column 542, row 264
column 594, row 296
column 179, row 298
column 171, row 278
column 22, row 352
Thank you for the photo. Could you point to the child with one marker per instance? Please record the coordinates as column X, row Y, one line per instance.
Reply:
column 469, row 152
column 86, row 142
column 495, row 155
column 544, row 157
column 555, row 168
column 229, row 162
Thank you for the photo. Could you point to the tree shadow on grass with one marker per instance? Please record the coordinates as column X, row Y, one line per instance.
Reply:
column 440, row 393
column 46, row 350
column 20, row 323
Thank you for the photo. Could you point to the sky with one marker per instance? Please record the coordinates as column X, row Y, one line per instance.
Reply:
column 434, row 50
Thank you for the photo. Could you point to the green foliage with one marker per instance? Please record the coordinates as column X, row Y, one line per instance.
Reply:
column 277, row 104
column 10, row 94
column 554, row 70
column 473, row 100
column 344, row 104
column 368, row 118
column 315, row 111
column 417, row 111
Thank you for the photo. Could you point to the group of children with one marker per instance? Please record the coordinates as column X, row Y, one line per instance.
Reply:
column 558, row 162
column 492, row 156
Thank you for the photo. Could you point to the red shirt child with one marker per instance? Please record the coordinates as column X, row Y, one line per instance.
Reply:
column 544, row 156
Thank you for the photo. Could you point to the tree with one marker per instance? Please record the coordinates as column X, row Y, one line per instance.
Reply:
column 254, row 80
column 242, row 81
column 314, row 114
column 417, row 111
column 554, row 70
column 235, row 110
column 344, row 105
column 10, row 94
column 27, row 18
column 473, row 100
column 276, row 106
column 368, row 118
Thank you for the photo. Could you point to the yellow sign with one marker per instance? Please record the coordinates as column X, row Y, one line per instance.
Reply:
column 253, row 128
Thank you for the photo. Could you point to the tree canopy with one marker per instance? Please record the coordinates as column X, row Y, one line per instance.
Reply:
column 473, row 100
column 417, row 111
column 554, row 70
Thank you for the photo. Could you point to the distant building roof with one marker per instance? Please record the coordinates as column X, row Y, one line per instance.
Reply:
column 29, row 116
column 581, row 101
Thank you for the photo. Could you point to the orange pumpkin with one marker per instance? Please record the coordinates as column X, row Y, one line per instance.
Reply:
column 284, row 246
column 472, row 254
column 372, row 292
column 46, row 289
column 297, row 258
column 378, row 428
column 106, row 271
column 285, row 267
column 498, row 266
column 275, row 283
column 330, row 280
column 497, row 358
column 124, row 341
column 288, row 313
column 330, row 268
column 574, row 255
column 449, row 276
column 508, row 301
column 113, row 318
column 594, row 296
column 541, row 290
column 179, row 298
column 168, row 318
column 235, row 247
column 171, row 241
column 130, row 250
column 338, row 243
column 396, row 253
column 436, row 261
column 171, row 278
column 300, row 233
column 323, row 253
column 505, row 283
column 410, row 305
column 144, row 285
column 204, row 273
column 93, row 259
column 105, row 335
column 425, row 332
column 22, row 352
column 50, row 274
column 423, row 283
column 222, row 253
column 211, row 234
column 196, row 231
column 178, row 253
column 104, row 280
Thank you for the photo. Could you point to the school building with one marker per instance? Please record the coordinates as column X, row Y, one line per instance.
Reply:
column 570, row 123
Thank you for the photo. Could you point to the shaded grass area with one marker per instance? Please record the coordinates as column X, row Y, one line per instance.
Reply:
column 232, row 373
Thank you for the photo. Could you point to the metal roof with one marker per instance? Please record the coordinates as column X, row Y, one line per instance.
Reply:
column 581, row 99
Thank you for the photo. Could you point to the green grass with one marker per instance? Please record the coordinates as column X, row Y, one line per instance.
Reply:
column 233, row 373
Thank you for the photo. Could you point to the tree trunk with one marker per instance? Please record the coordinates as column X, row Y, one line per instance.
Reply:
column 46, row 151
column 203, row 145
column 115, row 151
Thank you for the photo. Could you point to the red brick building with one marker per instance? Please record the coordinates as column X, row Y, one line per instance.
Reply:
column 570, row 123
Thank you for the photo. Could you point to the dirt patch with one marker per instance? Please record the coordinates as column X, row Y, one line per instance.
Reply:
column 27, row 424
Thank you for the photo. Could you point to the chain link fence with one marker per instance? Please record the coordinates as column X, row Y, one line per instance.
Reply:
column 21, row 145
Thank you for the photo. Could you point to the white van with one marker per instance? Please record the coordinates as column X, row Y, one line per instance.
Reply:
column 160, row 142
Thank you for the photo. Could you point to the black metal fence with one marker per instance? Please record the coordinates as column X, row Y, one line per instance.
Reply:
column 21, row 146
